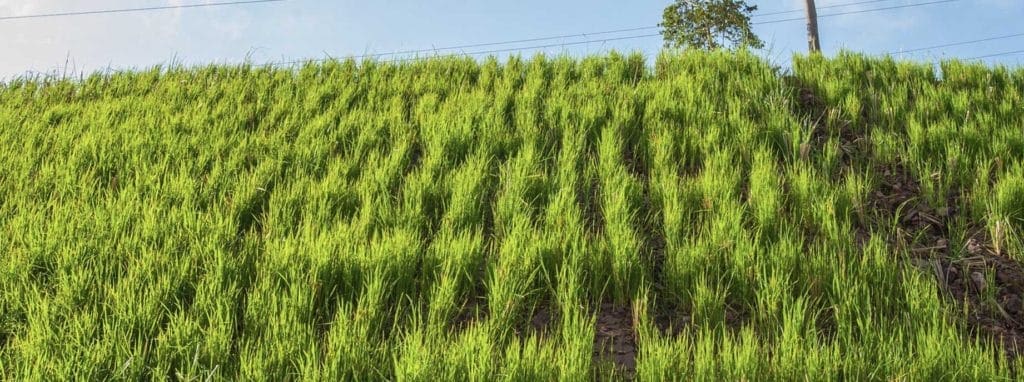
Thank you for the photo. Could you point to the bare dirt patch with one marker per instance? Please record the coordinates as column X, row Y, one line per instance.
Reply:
column 993, row 286
column 671, row 322
column 542, row 321
column 615, row 338
column 473, row 310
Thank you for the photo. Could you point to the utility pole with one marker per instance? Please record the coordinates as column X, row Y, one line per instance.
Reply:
column 813, row 41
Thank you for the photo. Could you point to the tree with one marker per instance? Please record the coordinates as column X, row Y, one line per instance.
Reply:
column 709, row 24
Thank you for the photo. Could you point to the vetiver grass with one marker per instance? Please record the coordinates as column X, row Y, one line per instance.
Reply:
column 448, row 219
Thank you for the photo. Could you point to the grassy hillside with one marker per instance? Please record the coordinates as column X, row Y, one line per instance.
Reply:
column 711, row 218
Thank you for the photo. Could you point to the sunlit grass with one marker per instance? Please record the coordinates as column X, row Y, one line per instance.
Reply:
column 374, row 221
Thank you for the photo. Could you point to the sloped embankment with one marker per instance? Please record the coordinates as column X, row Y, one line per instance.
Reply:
column 533, row 219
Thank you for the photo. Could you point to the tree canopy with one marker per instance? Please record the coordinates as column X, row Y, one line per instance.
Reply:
column 709, row 24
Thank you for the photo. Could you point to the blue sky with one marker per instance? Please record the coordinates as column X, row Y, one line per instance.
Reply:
column 298, row 29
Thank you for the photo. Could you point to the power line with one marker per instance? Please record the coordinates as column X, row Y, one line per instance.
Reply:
column 839, row 5
column 860, row 11
column 143, row 9
column 996, row 54
column 960, row 43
